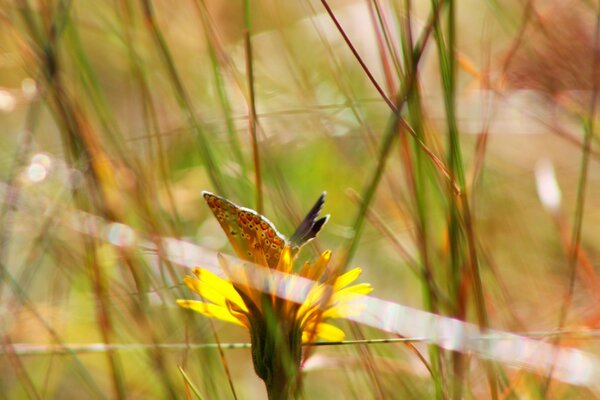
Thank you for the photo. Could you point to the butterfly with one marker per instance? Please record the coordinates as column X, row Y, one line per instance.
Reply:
column 251, row 234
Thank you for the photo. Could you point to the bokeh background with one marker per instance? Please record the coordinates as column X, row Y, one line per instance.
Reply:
column 481, row 204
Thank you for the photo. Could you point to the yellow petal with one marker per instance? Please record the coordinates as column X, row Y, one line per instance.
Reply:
column 345, row 279
column 192, row 283
column 343, row 311
column 305, row 270
column 215, row 289
column 285, row 263
column 343, row 305
column 352, row 292
column 210, row 310
column 312, row 300
column 317, row 269
column 207, row 292
column 326, row 332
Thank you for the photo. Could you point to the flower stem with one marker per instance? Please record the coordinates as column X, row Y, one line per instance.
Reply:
column 281, row 386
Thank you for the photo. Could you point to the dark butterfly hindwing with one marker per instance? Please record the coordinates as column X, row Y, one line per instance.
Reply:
column 310, row 226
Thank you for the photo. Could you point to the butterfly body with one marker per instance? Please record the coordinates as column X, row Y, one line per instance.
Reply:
column 253, row 235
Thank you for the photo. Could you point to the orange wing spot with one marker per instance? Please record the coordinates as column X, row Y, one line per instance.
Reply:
column 277, row 241
column 264, row 226
column 256, row 219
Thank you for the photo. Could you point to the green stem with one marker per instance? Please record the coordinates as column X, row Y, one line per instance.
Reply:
column 281, row 387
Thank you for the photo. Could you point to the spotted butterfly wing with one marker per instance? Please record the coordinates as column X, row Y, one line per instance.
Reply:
column 253, row 235
column 250, row 234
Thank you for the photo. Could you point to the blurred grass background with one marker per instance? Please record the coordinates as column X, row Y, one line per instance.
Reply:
column 126, row 110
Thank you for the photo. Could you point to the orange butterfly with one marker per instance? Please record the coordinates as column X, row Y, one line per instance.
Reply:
column 252, row 235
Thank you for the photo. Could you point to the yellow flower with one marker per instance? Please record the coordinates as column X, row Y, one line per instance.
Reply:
column 277, row 325
column 241, row 304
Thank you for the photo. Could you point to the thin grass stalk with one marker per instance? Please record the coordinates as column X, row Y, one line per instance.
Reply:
column 20, row 371
column 104, row 318
column 377, row 221
column 459, row 212
column 219, row 81
column 94, row 93
column 19, row 288
column 588, row 134
column 397, row 107
column 447, row 71
column 368, row 360
column 189, row 385
column 575, row 251
column 379, row 38
column 212, row 166
column 144, row 204
column 142, row 310
column 11, row 197
column 223, row 359
column 417, row 177
column 394, row 123
column 252, row 105
column 127, row 20
column 387, row 35
column 79, row 141
column 364, row 67
column 23, row 298
column 92, row 88
column 77, row 136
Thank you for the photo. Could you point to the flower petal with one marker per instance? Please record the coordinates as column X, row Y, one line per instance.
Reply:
column 326, row 332
column 315, row 270
column 311, row 303
column 352, row 292
column 210, row 310
column 241, row 281
column 213, row 288
column 285, row 263
column 347, row 278
column 343, row 311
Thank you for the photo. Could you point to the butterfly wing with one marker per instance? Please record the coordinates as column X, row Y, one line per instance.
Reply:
column 310, row 226
column 265, row 239
column 253, row 237
column 226, row 213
